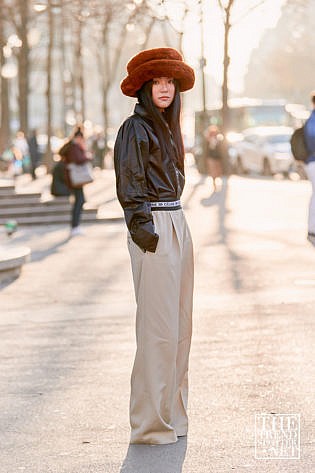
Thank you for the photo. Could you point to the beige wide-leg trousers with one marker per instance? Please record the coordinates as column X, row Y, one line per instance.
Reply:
column 163, row 284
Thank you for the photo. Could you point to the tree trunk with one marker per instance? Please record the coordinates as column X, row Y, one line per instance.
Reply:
column 204, row 122
column 79, row 71
column 105, row 71
column 147, row 32
column 226, row 63
column 23, row 66
column 5, row 109
column 63, row 66
column 48, row 154
column 225, row 90
column 105, row 110
column 81, row 74
column 108, row 68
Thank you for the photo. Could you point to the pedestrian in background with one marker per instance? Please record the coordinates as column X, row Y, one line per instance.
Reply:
column 98, row 149
column 34, row 152
column 74, row 151
column 149, row 166
column 21, row 152
column 214, row 155
column 309, row 134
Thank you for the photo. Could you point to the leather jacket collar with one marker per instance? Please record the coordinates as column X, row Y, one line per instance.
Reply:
column 139, row 110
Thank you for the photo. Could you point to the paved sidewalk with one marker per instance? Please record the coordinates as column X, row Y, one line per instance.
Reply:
column 67, row 339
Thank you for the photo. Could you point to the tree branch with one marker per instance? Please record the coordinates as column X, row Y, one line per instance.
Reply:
column 238, row 20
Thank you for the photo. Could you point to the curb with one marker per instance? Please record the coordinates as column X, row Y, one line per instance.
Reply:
column 11, row 262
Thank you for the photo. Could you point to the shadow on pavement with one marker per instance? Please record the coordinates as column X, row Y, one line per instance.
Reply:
column 214, row 199
column 23, row 237
column 39, row 255
column 219, row 199
column 155, row 458
column 187, row 200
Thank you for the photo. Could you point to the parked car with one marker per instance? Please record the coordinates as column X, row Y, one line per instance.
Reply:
column 264, row 150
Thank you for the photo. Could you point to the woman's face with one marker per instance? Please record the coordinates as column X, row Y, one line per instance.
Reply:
column 163, row 92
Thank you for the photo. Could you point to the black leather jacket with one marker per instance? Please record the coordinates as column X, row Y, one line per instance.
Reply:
column 143, row 175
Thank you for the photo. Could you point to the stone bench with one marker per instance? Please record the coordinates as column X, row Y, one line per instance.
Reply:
column 11, row 262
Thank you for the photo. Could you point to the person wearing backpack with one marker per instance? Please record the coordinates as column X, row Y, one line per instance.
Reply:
column 309, row 134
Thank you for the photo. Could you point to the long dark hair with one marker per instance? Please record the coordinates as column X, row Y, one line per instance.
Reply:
column 165, row 122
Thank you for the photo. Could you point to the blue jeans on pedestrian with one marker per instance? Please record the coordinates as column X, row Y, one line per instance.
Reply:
column 77, row 207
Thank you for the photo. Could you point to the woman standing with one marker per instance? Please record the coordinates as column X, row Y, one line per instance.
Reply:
column 74, row 151
column 149, row 166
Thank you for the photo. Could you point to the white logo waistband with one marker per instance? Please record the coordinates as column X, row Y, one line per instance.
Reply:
column 175, row 203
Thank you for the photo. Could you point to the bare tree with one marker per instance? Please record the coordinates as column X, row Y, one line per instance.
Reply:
column 64, row 76
column 114, row 20
column 69, row 25
column 17, row 15
column 226, row 8
column 48, row 157
column 54, row 9
column 22, row 23
column 80, row 16
column 5, row 109
column 183, row 9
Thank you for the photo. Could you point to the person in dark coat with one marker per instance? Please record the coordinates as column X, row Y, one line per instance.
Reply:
column 98, row 149
column 59, row 186
column 34, row 152
column 74, row 151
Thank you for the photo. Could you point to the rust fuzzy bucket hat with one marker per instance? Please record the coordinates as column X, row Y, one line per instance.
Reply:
column 158, row 62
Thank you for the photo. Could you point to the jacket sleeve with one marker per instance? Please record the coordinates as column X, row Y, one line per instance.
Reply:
column 310, row 134
column 130, row 155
